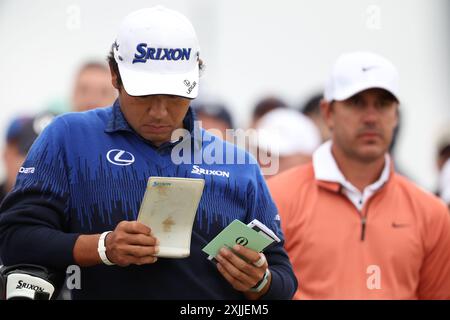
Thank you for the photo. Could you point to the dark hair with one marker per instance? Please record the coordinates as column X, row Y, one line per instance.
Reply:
column 444, row 152
column 113, row 65
column 216, row 110
column 266, row 105
column 312, row 106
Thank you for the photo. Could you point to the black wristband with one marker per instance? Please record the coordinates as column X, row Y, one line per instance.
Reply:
column 264, row 278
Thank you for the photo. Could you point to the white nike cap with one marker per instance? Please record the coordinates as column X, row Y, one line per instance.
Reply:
column 157, row 52
column 358, row 71
column 289, row 131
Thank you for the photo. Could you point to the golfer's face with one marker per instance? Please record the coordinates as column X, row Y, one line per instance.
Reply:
column 154, row 117
column 363, row 125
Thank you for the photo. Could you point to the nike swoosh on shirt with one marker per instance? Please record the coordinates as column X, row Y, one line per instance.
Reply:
column 400, row 225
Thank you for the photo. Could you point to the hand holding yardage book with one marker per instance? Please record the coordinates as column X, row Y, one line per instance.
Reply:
column 255, row 236
column 168, row 208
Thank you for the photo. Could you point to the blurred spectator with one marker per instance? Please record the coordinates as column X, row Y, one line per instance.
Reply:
column 93, row 87
column 443, row 147
column 442, row 162
column 213, row 116
column 264, row 106
column 312, row 109
column 444, row 183
column 294, row 135
column 20, row 135
column 393, row 146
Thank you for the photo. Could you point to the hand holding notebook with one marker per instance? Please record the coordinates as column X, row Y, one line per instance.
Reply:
column 168, row 208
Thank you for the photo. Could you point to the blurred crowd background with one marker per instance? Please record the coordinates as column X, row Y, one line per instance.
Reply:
column 266, row 65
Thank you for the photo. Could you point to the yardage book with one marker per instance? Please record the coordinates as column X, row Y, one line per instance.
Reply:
column 168, row 208
column 255, row 236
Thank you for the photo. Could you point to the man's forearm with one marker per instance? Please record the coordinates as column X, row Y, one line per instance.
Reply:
column 37, row 245
column 85, row 251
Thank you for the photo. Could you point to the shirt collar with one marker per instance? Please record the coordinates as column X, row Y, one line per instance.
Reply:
column 326, row 169
column 117, row 122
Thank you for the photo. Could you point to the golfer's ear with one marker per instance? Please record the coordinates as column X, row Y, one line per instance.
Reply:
column 114, row 78
column 326, row 109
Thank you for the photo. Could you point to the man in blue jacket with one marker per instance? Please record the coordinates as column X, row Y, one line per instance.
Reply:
column 84, row 178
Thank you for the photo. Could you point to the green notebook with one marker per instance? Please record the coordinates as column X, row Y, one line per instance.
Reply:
column 237, row 233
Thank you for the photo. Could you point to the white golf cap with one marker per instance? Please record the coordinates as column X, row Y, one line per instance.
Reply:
column 444, row 182
column 157, row 52
column 289, row 131
column 359, row 71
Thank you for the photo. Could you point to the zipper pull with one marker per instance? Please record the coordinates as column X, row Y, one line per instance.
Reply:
column 363, row 228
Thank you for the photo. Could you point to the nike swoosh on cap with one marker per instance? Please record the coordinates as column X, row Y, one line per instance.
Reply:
column 364, row 69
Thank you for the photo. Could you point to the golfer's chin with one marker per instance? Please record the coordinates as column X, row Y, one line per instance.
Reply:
column 371, row 151
column 156, row 134
column 156, row 138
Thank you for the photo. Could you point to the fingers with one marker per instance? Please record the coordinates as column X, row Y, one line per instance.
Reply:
column 142, row 240
column 146, row 260
column 134, row 233
column 124, row 255
column 248, row 265
column 239, row 277
column 248, row 254
column 134, row 227
column 140, row 251
column 233, row 281
column 131, row 243
column 261, row 261
column 126, row 260
column 227, row 256
column 241, row 274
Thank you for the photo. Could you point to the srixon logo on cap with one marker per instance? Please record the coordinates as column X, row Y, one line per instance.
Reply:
column 144, row 53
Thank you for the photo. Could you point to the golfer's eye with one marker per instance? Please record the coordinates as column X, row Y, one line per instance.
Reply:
column 355, row 101
column 385, row 103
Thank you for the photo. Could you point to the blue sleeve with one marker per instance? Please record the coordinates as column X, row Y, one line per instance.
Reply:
column 34, row 223
column 262, row 207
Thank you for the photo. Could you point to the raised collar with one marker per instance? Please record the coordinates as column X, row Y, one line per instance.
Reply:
column 117, row 121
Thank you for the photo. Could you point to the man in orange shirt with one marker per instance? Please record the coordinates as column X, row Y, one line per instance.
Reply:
column 355, row 229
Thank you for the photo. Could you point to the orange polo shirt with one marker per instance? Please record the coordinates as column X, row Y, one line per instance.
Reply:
column 402, row 253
